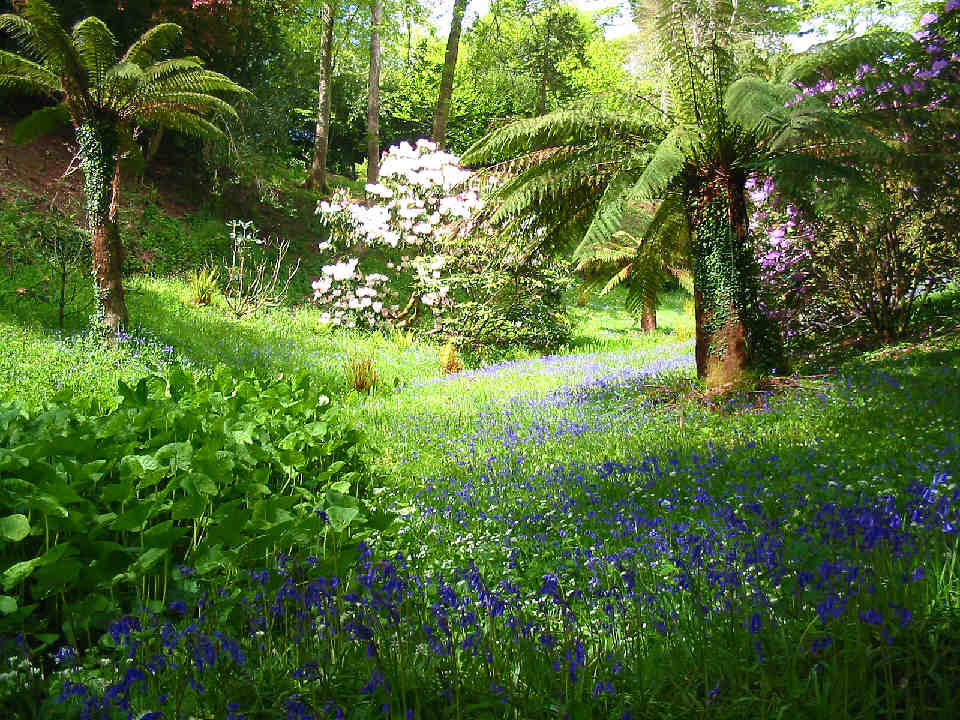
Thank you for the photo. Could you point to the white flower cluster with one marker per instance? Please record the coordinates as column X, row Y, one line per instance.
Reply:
column 413, row 206
column 350, row 297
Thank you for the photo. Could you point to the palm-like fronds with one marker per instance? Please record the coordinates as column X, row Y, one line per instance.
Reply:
column 83, row 70
column 107, row 97
column 96, row 47
column 153, row 45
column 23, row 75
column 843, row 57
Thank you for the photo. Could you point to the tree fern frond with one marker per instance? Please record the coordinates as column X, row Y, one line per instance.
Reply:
column 183, row 122
column 153, row 45
column 96, row 47
column 843, row 57
column 196, row 80
column 39, row 28
column 19, row 73
column 614, row 281
column 608, row 215
column 551, row 180
column 199, row 103
column 560, row 128
column 758, row 105
column 668, row 160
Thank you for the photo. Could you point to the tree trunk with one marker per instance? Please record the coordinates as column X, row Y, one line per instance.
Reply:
column 733, row 335
column 153, row 147
column 98, row 141
column 317, row 179
column 648, row 319
column 442, row 113
column 542, row 94
column 373, row 95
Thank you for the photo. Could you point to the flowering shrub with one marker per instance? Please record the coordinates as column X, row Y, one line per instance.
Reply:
column 835, row 253
column 411, row 210
column 477, row 283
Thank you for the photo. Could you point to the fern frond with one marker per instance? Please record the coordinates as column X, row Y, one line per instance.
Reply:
column 194, row 102
column 38, row 28
column 150, row 47
column 843, row 57
column 556, row 129
column 759, row 106
column 608, row 215
column 19, row 73
column 668, row 160
column 183, row 122
column 96, row 47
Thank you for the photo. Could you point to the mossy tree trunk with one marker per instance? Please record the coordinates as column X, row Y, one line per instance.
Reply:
column 317, row 179
column 733, row 335
column 445, row 95
column 373, row 94
column 98, row 140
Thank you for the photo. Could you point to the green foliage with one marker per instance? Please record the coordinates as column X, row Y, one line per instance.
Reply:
column 204, row 284
column 361, row 374
column 216, row 473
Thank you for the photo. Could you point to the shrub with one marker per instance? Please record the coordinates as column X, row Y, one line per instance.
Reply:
column 216, row 473
column 256, row 269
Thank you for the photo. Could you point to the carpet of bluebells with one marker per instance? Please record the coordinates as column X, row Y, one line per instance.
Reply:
column 584, row 550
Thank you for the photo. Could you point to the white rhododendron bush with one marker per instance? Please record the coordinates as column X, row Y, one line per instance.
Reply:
column 423, row 201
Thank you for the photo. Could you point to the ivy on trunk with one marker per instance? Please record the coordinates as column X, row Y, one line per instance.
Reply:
column 98, row 140
column 733, row 335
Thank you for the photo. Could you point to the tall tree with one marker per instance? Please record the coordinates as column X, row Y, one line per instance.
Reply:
column 442, row 113
column 107, row 98
column 317, row 179
column 373, row 94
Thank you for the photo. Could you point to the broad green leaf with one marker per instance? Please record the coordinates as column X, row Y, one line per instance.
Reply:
column 134, row 518
column 47, row 505
column 163, row 535
column 18, row 572
column 177, row 455
column 198, row 483
column 341, row 517
column 7, row 604
column 148, row 558
column 188, row 508
column 14, row 527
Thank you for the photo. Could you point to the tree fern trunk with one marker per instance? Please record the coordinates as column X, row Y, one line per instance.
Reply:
column 733, row 335
column 101, row 182
column 373, row 95
column 445, row 95
column 648, row 319
column 317, row 179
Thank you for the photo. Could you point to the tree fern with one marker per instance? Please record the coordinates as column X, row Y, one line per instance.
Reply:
column 107, row 97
